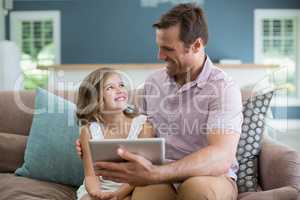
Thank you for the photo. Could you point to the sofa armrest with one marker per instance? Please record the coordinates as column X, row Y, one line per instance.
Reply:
column 12, row 148
column 279, row 166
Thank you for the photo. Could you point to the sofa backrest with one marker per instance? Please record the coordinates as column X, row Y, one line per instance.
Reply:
column 17, row 107
column 14, row 106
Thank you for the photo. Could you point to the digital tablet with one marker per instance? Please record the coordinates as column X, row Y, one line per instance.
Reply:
column 152, row 149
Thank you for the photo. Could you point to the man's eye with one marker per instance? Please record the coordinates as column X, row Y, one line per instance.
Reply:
column 122, row 85
column 167, row 49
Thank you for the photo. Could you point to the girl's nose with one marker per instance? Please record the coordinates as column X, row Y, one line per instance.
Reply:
column 119, row 90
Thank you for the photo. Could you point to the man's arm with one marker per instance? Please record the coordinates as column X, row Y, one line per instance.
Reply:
column 224, row 124
column 213, row 160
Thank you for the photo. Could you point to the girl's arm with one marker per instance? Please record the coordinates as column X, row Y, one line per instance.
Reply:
column 92, row 182
column 86, row 157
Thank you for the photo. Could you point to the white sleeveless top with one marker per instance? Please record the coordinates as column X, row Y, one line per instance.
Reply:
column 96, row 133
column 135, row 129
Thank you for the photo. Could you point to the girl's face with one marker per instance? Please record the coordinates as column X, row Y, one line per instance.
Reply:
column 115, row 95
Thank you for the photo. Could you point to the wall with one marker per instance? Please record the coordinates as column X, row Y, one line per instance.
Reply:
column 119, row 31
column 231, row 24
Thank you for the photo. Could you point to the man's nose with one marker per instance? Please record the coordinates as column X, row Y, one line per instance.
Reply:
column 161, row 55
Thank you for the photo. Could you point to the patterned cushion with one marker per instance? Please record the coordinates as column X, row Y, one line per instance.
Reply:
column 254, row 111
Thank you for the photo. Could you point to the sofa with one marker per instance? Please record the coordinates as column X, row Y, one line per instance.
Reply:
column 278, row 165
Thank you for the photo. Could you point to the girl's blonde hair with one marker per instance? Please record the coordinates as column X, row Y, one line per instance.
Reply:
column 90, row 97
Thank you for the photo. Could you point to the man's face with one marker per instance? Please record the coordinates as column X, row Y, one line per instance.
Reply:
column 172, row 50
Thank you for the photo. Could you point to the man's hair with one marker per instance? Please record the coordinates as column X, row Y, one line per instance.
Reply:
column 192, row 22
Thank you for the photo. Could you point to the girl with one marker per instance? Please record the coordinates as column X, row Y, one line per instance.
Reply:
column 103, row 113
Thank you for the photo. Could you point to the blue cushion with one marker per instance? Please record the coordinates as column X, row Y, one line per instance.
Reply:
column 50, row 153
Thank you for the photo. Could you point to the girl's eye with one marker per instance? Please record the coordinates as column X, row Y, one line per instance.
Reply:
column 122, row 85
column 109, row 88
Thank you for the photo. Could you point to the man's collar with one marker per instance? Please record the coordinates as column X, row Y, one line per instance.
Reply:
column 201, row 79
column 204, row 75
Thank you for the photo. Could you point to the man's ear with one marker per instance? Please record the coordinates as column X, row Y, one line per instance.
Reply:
column 197, row 45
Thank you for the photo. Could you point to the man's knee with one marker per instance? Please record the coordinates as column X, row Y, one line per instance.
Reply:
column 206, row 187
column 195, row 188
column 158, row 192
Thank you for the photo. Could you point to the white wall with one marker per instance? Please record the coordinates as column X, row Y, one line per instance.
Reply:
column 69, row 79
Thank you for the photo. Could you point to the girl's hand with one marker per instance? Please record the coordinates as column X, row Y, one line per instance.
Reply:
column 108, row 196
column 78, row 148
column 101, row 195
column 92, row 185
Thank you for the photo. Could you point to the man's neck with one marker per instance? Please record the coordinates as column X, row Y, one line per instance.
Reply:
column 191, row 74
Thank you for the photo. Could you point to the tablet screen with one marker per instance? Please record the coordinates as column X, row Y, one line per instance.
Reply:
column 153, row 149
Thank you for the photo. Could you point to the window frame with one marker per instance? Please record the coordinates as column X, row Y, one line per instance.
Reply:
column 259, row 15
column 17, row 16
column 2, row 22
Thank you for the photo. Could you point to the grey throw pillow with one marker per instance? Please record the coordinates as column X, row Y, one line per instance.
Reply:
column 254, row 112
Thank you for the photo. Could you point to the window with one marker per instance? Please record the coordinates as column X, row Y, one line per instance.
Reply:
column 37, row 33
column 277, row 42
column 155, row 3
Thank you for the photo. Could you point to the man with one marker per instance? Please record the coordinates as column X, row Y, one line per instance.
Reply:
column 197, row 108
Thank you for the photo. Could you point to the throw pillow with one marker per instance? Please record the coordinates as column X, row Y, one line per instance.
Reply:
column 254, row 112
column 50, row 153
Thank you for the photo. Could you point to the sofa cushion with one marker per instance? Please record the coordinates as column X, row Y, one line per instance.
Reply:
column 254, row 112
column 19, row 188
column 12, row 149
column 50, row 153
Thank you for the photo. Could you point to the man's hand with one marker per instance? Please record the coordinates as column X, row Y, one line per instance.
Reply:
column 138, row 171
column 78, row 148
